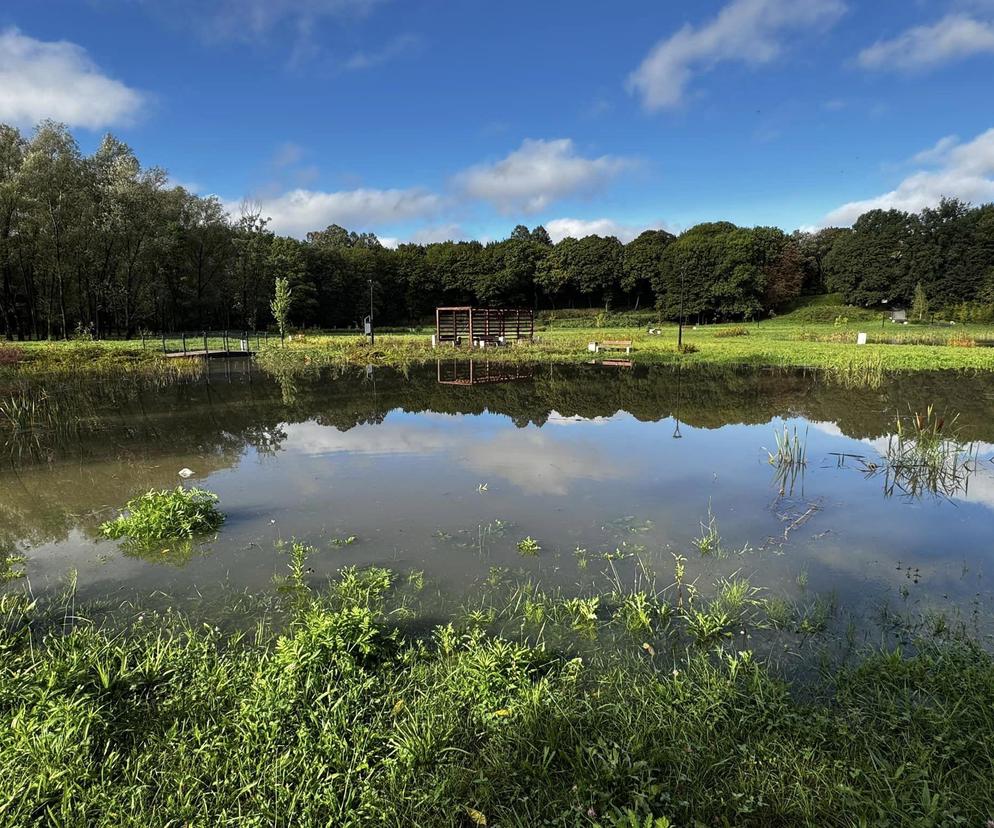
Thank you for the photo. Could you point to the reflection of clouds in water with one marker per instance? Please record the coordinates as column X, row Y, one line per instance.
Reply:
column 557, row 419
column 535, row 462
column 538, row 463
column 385, row 438
column 980, row 488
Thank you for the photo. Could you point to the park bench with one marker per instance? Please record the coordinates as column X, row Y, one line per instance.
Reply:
column 611, row 345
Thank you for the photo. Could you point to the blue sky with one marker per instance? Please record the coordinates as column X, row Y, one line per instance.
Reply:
column 434, row 119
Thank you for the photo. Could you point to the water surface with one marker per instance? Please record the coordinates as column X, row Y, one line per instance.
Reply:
column 444, row 470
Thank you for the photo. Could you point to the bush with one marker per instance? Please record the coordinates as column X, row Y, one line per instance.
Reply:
column 724, row 333
column 177, row 514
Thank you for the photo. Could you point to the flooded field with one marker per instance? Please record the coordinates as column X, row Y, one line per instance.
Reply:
column 565, row 474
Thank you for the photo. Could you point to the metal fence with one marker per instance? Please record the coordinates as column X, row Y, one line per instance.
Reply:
column 206, row 343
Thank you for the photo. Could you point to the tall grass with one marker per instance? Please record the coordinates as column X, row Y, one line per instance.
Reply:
column 345, row 719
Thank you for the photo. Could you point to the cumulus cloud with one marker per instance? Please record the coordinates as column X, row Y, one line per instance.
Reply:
column 954, row 37
column 58, row 80
column 749, row 31
column 297, row 212
column 538, row 173
column 950, row 169
column 560, row 228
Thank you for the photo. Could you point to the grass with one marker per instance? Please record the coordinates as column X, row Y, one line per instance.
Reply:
column 345, row 717
column 166, row 515
column 806, row 337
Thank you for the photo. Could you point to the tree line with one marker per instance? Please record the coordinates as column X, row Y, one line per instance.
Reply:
column 99, row 244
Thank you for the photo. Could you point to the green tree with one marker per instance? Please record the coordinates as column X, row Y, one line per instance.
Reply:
column 280, row 305
column 919, row 305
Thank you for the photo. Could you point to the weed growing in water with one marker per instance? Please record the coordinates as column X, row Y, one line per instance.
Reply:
column 926, row 455
column 11, row 564
column 170, row 514
column 529, row 546
column 791, row 450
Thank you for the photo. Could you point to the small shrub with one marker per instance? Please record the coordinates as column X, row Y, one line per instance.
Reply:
column 687, row 348
column 175, row 514
column 724, row 333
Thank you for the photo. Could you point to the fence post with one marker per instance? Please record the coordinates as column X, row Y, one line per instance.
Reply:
column 205, row 345
column 143, row 340
column 164, row 342
column 225, row 335
column 184, row 342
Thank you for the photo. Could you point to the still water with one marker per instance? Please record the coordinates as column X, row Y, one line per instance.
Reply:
column 445, row 469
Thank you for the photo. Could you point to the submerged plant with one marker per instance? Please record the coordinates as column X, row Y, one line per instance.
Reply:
column 169, row 514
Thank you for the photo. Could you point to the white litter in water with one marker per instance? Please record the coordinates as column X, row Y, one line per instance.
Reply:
column 185, row 473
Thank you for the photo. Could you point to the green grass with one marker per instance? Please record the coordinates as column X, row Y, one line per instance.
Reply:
column 344, row 718
column 166, row 515
column 793, row 339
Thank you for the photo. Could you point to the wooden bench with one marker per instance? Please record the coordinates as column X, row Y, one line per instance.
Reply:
column 612, row 345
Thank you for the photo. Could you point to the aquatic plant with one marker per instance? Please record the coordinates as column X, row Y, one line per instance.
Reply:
column 791, row 450
column 926, row 455
column 169, row 514
column 529, row 546
column 11, row 567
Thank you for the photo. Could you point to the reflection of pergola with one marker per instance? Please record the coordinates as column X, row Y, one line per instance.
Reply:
column 471, row 372
column 483, row 326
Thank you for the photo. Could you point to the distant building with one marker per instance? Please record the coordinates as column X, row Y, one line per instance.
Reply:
column 899, row 315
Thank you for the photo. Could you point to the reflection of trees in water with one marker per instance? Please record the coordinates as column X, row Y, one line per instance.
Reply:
column 123, row 438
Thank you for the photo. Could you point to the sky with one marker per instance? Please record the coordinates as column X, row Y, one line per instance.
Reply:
column 427, row 120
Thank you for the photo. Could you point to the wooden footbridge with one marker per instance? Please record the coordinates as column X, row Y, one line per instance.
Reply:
column 207, row 344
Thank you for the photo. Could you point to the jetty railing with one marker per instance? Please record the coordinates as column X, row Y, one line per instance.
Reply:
column 206, row 343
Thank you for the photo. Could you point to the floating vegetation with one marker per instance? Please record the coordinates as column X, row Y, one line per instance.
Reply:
column 169, row 514
column 529, row 546
column 346, row 541
column 925, row 455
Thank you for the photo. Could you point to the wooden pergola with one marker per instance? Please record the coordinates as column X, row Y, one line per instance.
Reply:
column 479, row 327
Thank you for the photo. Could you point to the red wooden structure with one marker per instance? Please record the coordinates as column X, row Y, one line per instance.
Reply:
column 483, row 326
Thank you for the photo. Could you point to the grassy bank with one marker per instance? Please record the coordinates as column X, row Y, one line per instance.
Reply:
column 349, row 717
column 813, row 336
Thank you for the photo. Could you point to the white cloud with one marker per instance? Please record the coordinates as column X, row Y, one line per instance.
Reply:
column 57, row 80
column 437, row 233
column 250, row 19
column 538, row 173
column 954, row 37
column 401, row 46
column 560, row 228
column 749, row 31
column 297, row 212
column 953, row 170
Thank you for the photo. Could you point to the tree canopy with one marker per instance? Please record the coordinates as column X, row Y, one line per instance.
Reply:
column 103, row 245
